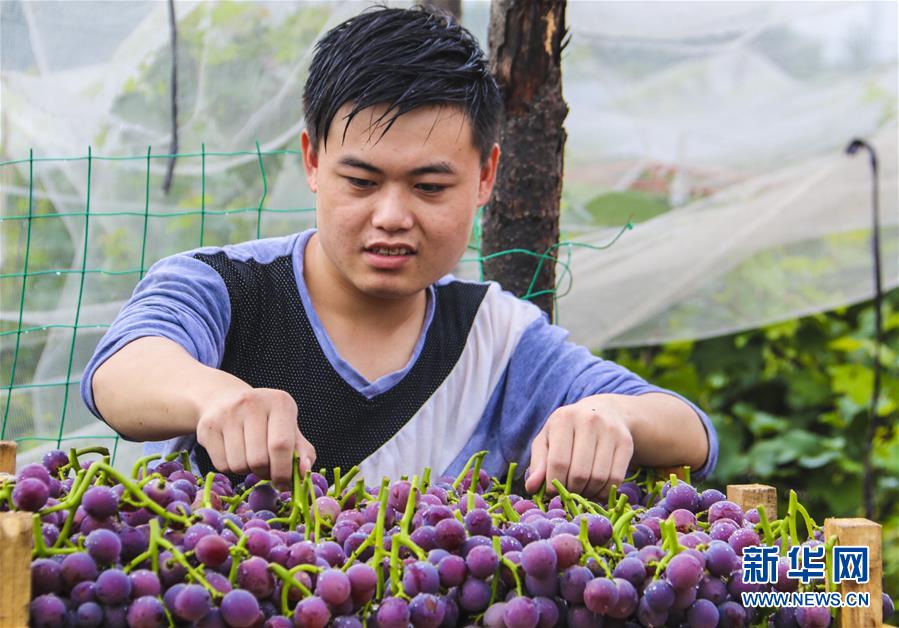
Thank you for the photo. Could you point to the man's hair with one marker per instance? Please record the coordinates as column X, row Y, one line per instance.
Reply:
column 405, row 59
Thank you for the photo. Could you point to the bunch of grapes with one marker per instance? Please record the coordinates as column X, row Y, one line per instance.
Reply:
column 165, row 547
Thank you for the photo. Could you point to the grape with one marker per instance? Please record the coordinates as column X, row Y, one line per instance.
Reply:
column 683, row 571
column 547, row 586
column 115, row 616
column 47, row 611
column 104, row 546
column 521, row 612
column 713, row 590
column 30, row 494
column 523, row 533
column 572, row 582
column 547, row 611
column 450, row 534
column 731, row 615
column 478, row 521
column 333, row 586
column 254, row 576
column 684, row 599
column 725, row 510
column 144, row 582
column 568, row 550
column 393, row 612
column 482, row 561
column 633, row 492
column 346, row 622
column 88, row 615
column 659, row 594
column 682, row 495
column 539, row 559
column 76, row 568
column 783, row 582
column 709, row 497
column 259, row 542
column 812, row 617
column 426, row 611
column 888, row 607
column 472, row 542
column 240, row 609
column 263, row 497
column 451, row 571
column 650, row 616
column 192, row 603
column 722, row 529
column 632, row 570
column 46, row 576
column 113, row 587
column 420, row 577
column 743, row 538
column 83, row 592
column 600, row 594
column 643, row 536
column 99, row 502
column 474, row 596
column 331, row 552
column 721, row 559
column 509, row 544
column 493, row 616
column 53, row 460
column 581, row 617
column 683, row 519
column 425, row 537
column 784, row 618
column 702, row 614
column 626, row 602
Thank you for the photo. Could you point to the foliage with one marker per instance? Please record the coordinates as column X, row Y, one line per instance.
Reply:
column 790, row 402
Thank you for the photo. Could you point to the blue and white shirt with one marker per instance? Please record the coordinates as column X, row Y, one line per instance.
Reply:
column 486, row 372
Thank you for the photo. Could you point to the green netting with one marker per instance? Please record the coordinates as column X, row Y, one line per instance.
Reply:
column 70, row 260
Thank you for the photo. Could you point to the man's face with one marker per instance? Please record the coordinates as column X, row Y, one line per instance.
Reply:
column 395, row 211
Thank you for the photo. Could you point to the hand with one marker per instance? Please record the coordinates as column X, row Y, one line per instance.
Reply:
column 587, row 446
column 255, row 429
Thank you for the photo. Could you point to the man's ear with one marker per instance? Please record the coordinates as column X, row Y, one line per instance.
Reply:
column 310, row 161
column 488, row 176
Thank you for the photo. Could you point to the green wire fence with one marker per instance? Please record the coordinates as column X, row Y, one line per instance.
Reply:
column 51, row 234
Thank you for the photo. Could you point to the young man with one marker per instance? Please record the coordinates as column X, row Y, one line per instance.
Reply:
column 350, row 344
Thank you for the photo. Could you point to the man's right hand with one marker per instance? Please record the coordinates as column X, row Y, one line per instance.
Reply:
column 255, row 430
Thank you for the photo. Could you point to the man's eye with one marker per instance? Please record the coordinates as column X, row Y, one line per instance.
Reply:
column 362, row 184
column 431, row 188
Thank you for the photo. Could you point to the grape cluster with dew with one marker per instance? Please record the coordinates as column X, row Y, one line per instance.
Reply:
column 167, row 548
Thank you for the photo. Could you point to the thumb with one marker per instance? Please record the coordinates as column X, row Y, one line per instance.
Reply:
column 537, row 474
column 305, row 452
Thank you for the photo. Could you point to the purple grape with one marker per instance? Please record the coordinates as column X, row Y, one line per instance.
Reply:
column 115, row 616
column 582, row 617
column 474, row 596
column 259, row 542
column 88, row 615
column 333, row 586
column 113, row 587
column 478, row 521
column 547, row 586
column 709, row 497
column 523, row 533
column 643, row 536
column 721, row 559
column 684, row 571
column 659, row 594
column 426, row 611
column 722, row 529
column 240, row 609
column 452, row 571
column 572, row 583
column 493, row 616
column 600, row 595
column 46, row 577
column 47, row 611
column 568, row 550
column 420, row 577
column 192, row 603
column 99, row 502
column 432, row 514
column 30, row 494
column 76, row 568
column 393, row 612
column 347, row 621
column 425, row 537
column 312, row 612
column 713, row 590
column 254, row 576
column 725, row 510
column 888, row 607
column 683, row 519
column 784, row 618
column 263, row 497
column 632, row 570
column 702, row 614
column 539, row 559
column 451, row 534
column 521, row 612
column 684, row 599
column 633, row 492
column 482, row 561
column 682, row 495
column 53, row 460
column 474, row 541
column 743, row 538
column 509, row 544
column 331, row 552
column 547, row 611
column 104, row 546
column 144, row 582
column 146, row 612
column 732, row 615
column 649, row 616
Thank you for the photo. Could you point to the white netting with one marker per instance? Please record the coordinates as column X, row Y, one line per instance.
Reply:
column 718, row 126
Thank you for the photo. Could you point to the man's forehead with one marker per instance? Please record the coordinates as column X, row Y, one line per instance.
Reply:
column 372, row 124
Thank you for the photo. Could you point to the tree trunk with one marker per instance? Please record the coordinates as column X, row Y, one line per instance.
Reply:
column 526, row 41
column 453, row 7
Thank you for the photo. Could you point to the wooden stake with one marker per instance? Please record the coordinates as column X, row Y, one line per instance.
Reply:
column 15, row 567
column 865, row 533
column 8, row 457
column 749, row 496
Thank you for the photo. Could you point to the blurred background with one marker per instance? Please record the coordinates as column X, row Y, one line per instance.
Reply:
column 717, row 129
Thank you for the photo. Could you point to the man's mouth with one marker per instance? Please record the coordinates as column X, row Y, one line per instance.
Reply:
column 391, row 251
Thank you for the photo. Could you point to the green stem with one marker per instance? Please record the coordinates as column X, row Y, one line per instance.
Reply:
column 589, row 551
column 410, row 506
column 458, row 481
column 379, row 535
column 510, row 477
column 766, row 526
column 194, row 573
column 791, row 517
column 207, row 489
column 141, row 465
column 288, row 581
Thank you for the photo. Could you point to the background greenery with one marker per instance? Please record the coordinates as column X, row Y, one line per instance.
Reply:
column 790, row 402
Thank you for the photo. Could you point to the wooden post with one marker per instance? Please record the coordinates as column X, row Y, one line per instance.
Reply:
column 15, row 565
column 8, row 457
column 748, row 496
column 865, row 533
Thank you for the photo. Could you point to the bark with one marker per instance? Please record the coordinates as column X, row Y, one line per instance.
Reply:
column 526, row 40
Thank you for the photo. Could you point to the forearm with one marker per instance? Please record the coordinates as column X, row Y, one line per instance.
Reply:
column 152, row 389
column 666, row 431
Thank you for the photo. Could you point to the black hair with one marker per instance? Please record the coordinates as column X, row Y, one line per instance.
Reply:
column 404, row 58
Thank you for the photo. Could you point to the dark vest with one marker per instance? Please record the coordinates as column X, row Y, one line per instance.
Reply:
column 271, row 344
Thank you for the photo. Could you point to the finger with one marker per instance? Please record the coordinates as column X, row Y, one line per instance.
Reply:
column 584, row 449
column 620, row 461
column 602, row 465
column 256, row 446
column 558, row 460
column 235, row 452
column 282, row 430
column 537, row 472
column 211, row 439
column 305, row 452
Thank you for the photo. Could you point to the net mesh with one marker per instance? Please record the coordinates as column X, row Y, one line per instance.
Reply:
column 716, row 129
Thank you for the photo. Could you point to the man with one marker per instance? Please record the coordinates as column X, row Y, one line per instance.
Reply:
column 350, row 344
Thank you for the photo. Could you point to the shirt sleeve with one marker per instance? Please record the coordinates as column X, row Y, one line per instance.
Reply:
column 547, row 371
column 180, row 298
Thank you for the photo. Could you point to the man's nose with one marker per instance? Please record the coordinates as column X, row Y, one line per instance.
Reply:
column 392, row 210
